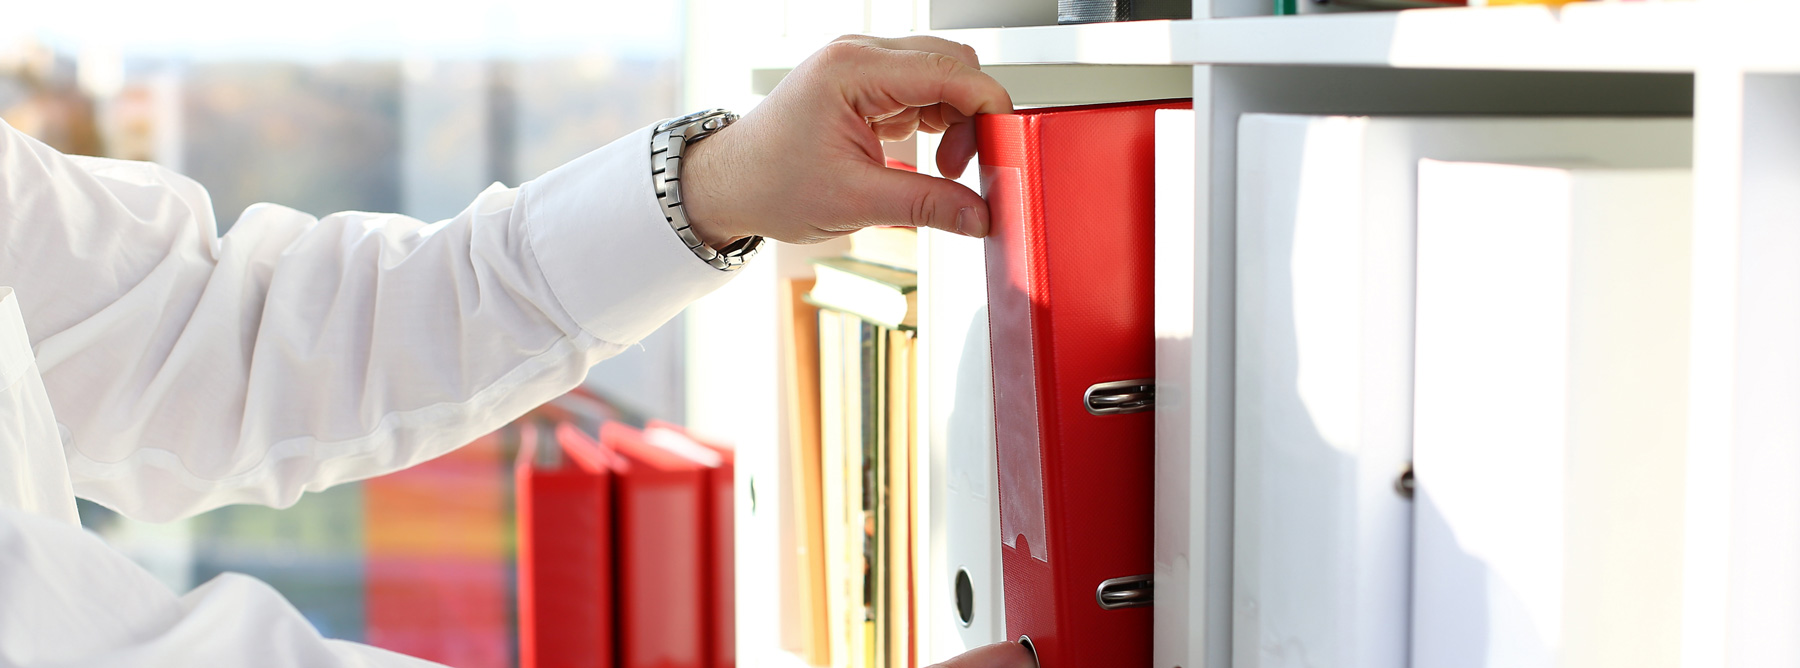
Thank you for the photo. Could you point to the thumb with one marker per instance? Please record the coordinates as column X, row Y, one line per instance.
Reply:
column 900, row 197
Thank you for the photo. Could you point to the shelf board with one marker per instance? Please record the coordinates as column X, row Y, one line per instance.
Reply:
column 1124, row 43
column 1604, row 37
column 1061, row 84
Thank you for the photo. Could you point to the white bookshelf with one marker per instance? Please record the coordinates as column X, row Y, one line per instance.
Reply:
column 1731, row 64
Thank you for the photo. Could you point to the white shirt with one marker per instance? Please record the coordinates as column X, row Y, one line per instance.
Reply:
column 181, row 371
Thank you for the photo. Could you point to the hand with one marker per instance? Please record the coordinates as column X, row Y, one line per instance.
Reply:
column 806, row 165
column 997, row 655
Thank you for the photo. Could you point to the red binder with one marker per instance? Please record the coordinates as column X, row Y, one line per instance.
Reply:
column 1069, row 272
column 722, row 585
column 564, row 505
column 663, row 535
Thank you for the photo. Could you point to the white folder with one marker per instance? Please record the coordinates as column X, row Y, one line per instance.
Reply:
column 962, row 534
column 1322, row 537
column 1551, row 415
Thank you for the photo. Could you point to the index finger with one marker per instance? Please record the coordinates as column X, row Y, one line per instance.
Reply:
column 887, row 80
column 962, row 52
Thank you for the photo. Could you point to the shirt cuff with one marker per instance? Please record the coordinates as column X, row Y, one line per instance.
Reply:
column 605, row 248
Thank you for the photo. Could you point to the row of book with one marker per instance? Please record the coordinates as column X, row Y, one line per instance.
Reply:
column 852, row 345
column 1461, row 385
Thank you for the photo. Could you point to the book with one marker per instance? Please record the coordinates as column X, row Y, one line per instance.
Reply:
column 801, row 354
column 867, row 387
column 1324, row 362
column 897, row 513
column 894, row 247
column 833, row 447
column 881, row 295
column 1551, row 417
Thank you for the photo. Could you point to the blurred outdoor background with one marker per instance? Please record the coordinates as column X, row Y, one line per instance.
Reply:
column 380, row 105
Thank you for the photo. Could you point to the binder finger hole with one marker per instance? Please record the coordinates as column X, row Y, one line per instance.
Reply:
column 965, row 597
column 1026, row 641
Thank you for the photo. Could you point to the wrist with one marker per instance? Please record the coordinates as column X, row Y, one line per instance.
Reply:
column 703, row 196
column 670, row 158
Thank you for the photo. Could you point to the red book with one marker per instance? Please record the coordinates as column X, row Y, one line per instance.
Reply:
column 564, row 504
column 663, row 536
column 722, row 552
column 1070, row 298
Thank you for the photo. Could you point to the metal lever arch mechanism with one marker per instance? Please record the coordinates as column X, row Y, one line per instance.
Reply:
column 1122, row 396
column 1128, row 592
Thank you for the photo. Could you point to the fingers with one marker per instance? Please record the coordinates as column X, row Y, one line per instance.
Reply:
column 897, row 127
column 879, row 81
column 997, row 655
column 956, row 149
column 962, row 52
column 900, row 197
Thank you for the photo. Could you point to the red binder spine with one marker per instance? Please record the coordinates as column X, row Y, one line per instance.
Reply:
column 721, row 551
column 565, row 551
column 1070, row 271
column 663, row 571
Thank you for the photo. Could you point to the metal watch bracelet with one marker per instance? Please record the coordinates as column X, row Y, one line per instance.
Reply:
column 666, row 145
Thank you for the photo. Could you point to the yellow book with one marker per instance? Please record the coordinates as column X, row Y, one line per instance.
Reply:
column 801, row 352
column 833, row 511
column 898, row 511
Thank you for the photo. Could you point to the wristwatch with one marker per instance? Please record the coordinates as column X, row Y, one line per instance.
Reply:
column 666, row 145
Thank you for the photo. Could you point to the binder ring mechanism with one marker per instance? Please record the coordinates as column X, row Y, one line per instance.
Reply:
column 1121, row 396
column 1136, row 591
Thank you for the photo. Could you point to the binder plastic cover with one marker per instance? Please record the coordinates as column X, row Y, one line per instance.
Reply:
column 565, row 549
column 1070, row 292
column 662, row 558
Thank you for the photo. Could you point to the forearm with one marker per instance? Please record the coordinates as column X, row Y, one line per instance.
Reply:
column 297, row 353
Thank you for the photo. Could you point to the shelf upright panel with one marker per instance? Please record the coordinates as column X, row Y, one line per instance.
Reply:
column 1742, row 586
column 1180, row 320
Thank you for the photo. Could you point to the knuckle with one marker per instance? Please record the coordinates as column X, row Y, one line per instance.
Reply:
column 945, row 66
column 969, row 55
column 924, row 206
column 842, row 51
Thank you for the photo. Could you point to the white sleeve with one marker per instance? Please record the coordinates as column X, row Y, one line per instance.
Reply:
column 296, row 353
column 73, row 602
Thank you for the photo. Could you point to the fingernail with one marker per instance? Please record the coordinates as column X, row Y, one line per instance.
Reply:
column 968, row 222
